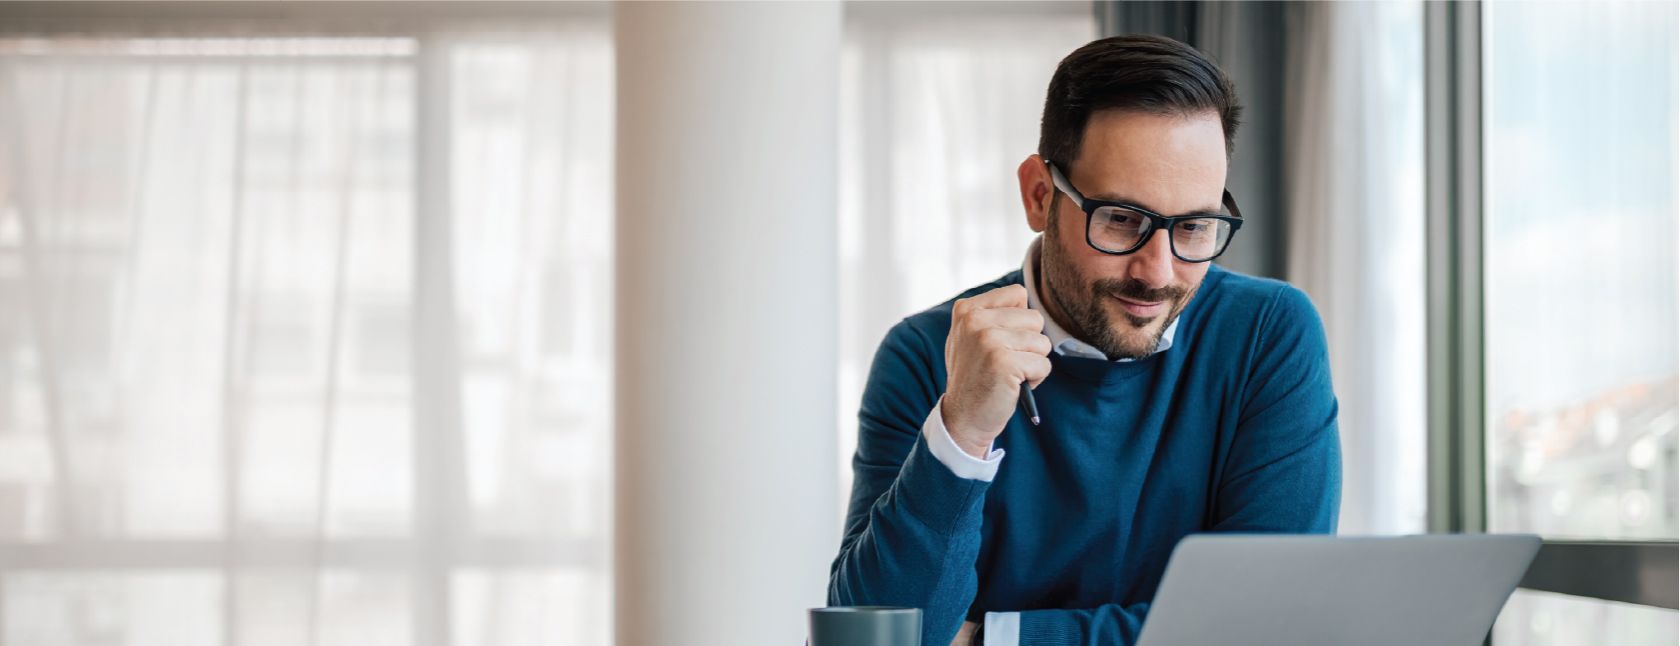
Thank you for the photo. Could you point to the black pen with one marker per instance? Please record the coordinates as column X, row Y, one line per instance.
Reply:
column 1026, row 397
column 1029, row 403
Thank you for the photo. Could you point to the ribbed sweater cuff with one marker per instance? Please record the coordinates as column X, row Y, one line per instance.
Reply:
column 1049, row 629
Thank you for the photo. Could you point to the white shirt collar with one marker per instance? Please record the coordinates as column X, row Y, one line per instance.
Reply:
column 1063, row 342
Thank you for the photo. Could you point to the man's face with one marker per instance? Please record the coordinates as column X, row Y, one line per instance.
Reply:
column 1170, row 164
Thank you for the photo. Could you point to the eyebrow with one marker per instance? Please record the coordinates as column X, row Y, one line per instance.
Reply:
column 1121, row 199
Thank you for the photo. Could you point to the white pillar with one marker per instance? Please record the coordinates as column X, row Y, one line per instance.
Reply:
column 726, row 315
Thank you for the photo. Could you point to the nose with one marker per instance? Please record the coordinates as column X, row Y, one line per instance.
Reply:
column 1153, row 264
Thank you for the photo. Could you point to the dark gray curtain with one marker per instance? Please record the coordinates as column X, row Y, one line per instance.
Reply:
column 1171, row 19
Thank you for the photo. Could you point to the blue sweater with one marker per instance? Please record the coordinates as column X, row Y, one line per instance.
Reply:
column 1233, row 429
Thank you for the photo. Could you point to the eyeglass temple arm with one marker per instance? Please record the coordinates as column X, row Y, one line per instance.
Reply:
column 1061, row 183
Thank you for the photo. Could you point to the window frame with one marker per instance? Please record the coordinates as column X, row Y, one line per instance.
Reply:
column 1630, row 571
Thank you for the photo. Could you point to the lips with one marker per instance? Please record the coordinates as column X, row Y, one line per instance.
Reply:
column 1141, row 309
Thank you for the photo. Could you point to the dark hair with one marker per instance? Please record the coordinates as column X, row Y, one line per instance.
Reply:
column 1140, row 72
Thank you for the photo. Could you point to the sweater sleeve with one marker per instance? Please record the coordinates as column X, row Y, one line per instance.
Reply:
column 912, row 526
column 1283, row 472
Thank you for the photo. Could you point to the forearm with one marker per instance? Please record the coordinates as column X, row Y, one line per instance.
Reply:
column 917, row 547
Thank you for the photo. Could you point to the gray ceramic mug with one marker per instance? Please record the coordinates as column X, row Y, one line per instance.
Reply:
column 866, row 626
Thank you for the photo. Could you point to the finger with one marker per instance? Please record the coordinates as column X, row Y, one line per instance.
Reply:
column 1018, row 367
column 1032, row 368
column 950, row 338
column 1005, row 296
column 1016, row 340
column 1014, row 318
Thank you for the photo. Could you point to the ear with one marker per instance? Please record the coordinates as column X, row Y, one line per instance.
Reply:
column 1037, row 192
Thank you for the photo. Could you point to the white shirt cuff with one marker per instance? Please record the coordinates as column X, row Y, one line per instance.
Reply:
column 1003, row 629
column 952, row 456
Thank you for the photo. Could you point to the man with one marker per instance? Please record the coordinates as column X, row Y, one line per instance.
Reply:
column 1176, row 397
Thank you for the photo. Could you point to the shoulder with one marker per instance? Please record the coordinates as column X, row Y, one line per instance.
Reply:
column 1271, row 324
column 1265, row 303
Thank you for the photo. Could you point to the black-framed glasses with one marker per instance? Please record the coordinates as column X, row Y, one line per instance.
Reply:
column 1118, row 228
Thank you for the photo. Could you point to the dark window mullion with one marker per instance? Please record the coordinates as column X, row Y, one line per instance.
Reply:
column 1453, row 176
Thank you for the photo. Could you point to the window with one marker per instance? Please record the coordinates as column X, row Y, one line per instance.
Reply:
column 222, row 420
column 1582, row 382
column 1555, row 284
column 1581, row 267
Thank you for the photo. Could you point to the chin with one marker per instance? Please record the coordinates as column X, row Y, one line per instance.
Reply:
column 1135, row 341
column 1141, row 344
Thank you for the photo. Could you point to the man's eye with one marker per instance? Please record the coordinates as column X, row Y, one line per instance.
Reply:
column 1126, row 220
column 1195, row 227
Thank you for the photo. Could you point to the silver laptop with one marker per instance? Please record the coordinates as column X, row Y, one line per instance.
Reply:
column 1279, row 590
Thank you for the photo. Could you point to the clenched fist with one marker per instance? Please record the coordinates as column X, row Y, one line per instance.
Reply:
column 995, row 345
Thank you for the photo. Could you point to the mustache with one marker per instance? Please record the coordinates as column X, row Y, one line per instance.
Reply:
column 1134, row 289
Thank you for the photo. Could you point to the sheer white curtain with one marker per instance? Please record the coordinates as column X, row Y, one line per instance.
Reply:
column 1354, row 140
column 939, row 104
column 217, row 423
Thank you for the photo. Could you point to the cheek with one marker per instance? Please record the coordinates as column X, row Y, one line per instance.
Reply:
column 1190, row 275
column 1069, row 224
column 1070, row 249
column 1087, row 266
